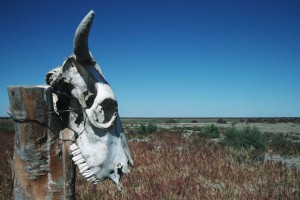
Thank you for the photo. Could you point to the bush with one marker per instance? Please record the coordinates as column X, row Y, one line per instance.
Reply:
column 150, row 128
column 6, row 127
column 242, row 121
column 222, row 121
column 211, row 131
column 171, row 121
column 248, row 137
column 247, row 144
column 284, row 144
column 141, row 129
column 250, row 121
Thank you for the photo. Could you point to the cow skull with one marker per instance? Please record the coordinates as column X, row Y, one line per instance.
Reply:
column 101, row 149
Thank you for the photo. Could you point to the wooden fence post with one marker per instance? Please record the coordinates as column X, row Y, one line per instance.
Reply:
column 42, row 166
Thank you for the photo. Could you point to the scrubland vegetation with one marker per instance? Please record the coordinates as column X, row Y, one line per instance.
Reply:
column 6, row 152
column 206, row 162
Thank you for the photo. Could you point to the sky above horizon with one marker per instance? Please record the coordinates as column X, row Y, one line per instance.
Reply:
column 169, row 58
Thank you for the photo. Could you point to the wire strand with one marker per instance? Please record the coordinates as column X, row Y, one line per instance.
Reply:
column 34, row 119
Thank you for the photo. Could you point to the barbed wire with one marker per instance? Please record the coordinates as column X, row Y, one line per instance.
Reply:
column 41, row 115
column 34, row 119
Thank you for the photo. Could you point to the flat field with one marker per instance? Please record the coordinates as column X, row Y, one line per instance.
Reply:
column 266, row 125
column 176, row 161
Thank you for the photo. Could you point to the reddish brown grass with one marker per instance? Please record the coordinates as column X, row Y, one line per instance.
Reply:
column 6, row 152
column 170, row 166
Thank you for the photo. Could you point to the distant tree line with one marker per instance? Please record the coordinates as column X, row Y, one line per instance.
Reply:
column 270, row 120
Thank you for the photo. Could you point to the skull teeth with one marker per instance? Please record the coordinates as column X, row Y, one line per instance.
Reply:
column 73, row 147
column 84, row 169
column 75, row 158
column 91, row 179
column 87, row 173
column 96, row 181
column 80, row 161
column 76, row 152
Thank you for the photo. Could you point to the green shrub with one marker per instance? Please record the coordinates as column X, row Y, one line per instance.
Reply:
column 248, row 137
column 211, row 131
column 141, row 129
column 150, row 128
column 170, row 121
column 222, row 121
column 7, row 127
column 247, row 144
column 284, row 144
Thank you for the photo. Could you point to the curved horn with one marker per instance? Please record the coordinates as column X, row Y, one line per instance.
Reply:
column 80, row 45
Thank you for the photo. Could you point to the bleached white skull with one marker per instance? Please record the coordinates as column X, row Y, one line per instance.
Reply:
column 101, row 150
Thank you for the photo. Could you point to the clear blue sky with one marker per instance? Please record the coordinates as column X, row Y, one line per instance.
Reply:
column 166, row 58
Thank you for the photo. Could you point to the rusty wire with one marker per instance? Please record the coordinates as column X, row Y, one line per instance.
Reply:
column 34, row 119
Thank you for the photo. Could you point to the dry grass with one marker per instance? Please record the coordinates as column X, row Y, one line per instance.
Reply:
column 6, row 152
column 171, row 166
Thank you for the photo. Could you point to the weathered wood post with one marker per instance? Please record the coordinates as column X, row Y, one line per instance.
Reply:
column 42, row 166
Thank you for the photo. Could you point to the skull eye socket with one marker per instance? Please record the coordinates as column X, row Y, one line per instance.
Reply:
column 90, row 101
column 106, row 104
column 109, row 104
